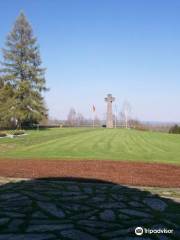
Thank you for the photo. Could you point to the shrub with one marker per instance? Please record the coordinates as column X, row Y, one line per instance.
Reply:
column 175, row 129
column 18, row 132
column 2, row 134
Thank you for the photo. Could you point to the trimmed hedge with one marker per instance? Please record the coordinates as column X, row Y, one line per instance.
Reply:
column 2, row 134
column 13, row 133
column 18, row 132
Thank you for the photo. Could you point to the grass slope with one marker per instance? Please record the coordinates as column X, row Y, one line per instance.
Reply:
column 110, row 144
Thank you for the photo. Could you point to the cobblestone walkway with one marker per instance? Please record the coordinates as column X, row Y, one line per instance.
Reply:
column 80, row 210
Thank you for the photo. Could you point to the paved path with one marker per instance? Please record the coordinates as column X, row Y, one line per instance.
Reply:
column 82, row 210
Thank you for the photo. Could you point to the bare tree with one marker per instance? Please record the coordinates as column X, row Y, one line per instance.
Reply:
column 97, row 121
column 115, row 115
column 80, row 120
column 71, row 118
column 126, row 112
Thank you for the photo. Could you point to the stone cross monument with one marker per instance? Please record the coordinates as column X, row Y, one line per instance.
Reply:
column 109, row 120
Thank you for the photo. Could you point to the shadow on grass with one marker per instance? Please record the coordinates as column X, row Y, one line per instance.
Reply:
column 83, row 209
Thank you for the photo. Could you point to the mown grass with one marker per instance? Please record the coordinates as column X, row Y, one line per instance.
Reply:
column 84, row 143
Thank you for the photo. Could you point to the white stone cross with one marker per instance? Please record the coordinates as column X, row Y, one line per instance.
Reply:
column 109, row 119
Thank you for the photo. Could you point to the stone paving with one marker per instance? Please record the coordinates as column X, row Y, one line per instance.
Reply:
column 82, row 210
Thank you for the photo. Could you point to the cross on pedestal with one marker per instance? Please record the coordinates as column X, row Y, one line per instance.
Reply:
column 109, row 119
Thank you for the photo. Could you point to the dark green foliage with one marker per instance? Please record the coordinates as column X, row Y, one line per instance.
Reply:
column 175, row 129
column 6, row 105
column 22, row 79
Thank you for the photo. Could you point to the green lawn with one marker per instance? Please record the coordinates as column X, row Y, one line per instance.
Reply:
column 83, row 143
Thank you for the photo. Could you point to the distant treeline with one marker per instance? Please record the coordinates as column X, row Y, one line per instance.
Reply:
column 133, row 124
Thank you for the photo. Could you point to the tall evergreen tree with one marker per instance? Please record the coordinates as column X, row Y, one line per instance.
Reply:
column 22, row 78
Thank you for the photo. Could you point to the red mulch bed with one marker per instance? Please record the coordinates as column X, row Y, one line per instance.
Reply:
column 131, row 173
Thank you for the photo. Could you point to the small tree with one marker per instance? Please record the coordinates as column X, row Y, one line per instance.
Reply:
column 97, row 121
column 71, row 118
column 80, row 120
column 126, row 112
column 21, row 76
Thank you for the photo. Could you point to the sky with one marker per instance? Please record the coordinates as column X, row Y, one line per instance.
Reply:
column 129, row 48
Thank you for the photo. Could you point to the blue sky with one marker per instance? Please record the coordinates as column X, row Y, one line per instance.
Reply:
column 130, row 48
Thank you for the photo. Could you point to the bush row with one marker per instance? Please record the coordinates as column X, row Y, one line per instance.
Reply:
column 2, row 134
column 175, row 129
column 13, row 132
